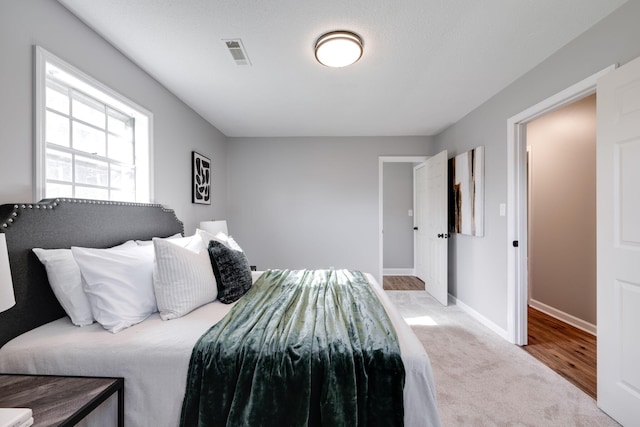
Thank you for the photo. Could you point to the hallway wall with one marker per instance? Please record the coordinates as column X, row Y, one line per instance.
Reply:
column 562, row 222
column 398, row 225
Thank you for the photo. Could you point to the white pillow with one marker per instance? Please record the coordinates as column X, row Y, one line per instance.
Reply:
column 66, row 283
column 118, row 283
column 183, row 277
column 150, row 242
column 194, row 242
column 207, row 237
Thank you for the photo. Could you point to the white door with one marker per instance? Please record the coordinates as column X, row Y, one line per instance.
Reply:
column 431, row 225
column 618, row 204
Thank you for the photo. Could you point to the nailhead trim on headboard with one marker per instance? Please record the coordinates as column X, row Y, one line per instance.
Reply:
column 49, row 204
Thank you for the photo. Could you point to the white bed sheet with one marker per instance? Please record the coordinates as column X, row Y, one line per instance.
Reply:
column 153, row 357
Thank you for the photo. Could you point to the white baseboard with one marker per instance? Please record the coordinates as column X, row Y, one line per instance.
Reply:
column 479, row 317
column 565, row 317
column 398, row 272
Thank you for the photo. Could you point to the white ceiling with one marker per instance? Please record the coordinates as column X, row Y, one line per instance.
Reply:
column 426, row 64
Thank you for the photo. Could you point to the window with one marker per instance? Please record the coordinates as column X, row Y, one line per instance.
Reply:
column 91, row 142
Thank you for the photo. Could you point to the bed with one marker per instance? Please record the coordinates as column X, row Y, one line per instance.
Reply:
column 36, row 336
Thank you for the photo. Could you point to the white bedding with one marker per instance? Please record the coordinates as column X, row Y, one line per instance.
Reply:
column 153, row 357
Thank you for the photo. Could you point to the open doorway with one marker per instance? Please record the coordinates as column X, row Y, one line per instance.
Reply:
column 517, row 254
column 561, row 228
column 395, row 214
column 398, row 220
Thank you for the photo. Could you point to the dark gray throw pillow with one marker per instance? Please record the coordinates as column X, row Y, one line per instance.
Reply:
column 232, row 271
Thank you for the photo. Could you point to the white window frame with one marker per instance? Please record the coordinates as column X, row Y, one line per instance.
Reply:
column 143, row 129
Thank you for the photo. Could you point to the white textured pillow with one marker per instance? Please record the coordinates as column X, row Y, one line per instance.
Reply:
column 118, row 283
column 183, row 278
column 66, row 282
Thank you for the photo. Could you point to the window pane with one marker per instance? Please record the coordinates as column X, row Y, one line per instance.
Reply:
column 57, row 98
column 90, row 171
column 120, row 149
column 94, row 142
column 123, row 196
column 120, row 124
column 59, row 166
column 88, row 110
column 58, row 190
column 57, row 129
column 88, row 139
column 123, row 178
column 92, row 193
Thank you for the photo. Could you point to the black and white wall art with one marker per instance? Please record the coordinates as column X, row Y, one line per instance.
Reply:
column 466, row 198
column 201, row 171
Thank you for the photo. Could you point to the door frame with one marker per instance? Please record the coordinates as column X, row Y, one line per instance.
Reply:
column 381, row 161
column 517, row 270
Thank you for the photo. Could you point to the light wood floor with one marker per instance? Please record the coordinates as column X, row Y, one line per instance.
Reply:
column 402, row 283
column 567, row 350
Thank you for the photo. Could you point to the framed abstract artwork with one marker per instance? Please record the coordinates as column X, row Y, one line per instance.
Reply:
column 201, row 175
column 466, row 197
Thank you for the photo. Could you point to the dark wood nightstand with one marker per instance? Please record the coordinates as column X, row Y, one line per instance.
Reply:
column 58, row 400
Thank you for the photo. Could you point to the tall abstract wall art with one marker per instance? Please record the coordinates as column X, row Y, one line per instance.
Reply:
column 466, row 197
column 201, row 171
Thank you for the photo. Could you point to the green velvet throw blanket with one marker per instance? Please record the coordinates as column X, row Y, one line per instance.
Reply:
column 301, row 348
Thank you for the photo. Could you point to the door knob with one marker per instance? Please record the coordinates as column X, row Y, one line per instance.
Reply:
column 415, row 228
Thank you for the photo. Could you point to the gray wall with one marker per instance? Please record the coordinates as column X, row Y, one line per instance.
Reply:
column 297, row 202
column 562, row 212
column 398, row 225
column 478, row 266
column 310, row 202
column 177, row 129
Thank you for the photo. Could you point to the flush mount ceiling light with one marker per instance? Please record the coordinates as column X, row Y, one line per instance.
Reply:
column 338, row 48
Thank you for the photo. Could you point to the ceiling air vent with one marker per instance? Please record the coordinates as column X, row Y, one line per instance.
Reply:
column 237, row 51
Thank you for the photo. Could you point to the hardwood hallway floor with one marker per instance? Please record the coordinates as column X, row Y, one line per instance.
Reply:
column 402, row 283
column 567, row 350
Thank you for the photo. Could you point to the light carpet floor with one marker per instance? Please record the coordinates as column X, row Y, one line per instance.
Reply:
column 482, row 380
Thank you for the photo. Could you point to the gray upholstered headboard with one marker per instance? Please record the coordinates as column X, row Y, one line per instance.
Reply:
column 62, row 223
